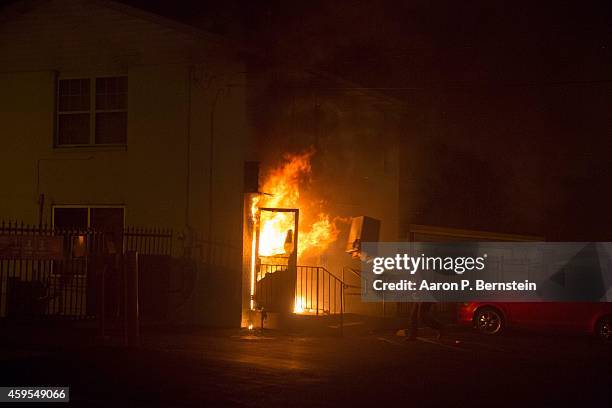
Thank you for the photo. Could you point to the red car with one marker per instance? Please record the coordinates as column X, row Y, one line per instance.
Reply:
column 579, row 317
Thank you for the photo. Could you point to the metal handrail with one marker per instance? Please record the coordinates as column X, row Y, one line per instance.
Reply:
column 317, row 290
column 325, row 270
column 354, row 271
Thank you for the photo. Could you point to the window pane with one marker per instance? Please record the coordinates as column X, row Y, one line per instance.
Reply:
column 111, row 128
column 70, row 218
column 107, row 219
column 73, row 129
column 73, row 95
column 111, row 93
column 110, row 221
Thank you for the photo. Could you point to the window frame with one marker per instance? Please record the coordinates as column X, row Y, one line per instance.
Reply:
column 89, row 207
column 93, row 111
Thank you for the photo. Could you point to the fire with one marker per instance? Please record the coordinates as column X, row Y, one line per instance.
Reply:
column 322, row 233
column 273, row 233
column 282, row 185
column 281, row 189
column 299, row 305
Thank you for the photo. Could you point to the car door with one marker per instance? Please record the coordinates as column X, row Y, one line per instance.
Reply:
column 540, row 315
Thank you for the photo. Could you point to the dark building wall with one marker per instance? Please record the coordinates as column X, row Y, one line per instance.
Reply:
column 511, row 159
column 178, row 83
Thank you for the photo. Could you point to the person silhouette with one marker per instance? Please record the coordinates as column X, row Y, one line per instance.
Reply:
column 421, row 313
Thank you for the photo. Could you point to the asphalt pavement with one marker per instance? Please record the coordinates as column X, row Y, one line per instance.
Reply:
column 268, row 369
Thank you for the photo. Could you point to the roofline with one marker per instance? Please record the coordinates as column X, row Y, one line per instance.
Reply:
column 20, row 7
column 471, row 234
column 24, row 6
column 161, row 20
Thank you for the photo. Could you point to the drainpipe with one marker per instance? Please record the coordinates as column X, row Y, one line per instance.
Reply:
column 41, row 208
column 211, row 156
column 188, row 153
column 211, row 166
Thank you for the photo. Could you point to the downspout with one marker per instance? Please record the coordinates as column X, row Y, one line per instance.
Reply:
column 211, row 166
column 211, row 162
column 188, row 153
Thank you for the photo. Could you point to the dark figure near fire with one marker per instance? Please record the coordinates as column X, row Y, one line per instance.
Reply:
column 421, row 312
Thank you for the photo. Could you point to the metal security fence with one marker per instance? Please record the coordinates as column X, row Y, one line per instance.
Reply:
column 66, row 286
column 148, row 241
column 32, row 287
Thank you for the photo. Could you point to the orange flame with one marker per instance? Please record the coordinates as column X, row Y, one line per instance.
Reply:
column 281, row 189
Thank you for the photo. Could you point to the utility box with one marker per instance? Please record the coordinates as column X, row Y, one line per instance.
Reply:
column 363, row 229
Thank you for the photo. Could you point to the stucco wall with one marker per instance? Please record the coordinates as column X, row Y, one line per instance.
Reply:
column 177, row 84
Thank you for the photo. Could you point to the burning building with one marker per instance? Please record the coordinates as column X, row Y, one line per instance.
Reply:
column 322, row 163
column 280, row 239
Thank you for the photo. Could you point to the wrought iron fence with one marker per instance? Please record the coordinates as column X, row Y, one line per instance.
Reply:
column 148, row 241
column 66, row 287
column 31, row 287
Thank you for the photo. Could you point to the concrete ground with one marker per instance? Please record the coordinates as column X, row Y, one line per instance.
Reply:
column 237, row 368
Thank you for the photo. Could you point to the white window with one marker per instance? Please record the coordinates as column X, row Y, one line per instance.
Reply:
column 91, row 111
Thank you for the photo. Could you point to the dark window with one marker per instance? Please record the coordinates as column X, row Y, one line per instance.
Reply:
column 98, row 218
column 70, row 218
column 73, row 112
column 106, row 219
column 111, row 127
column 111, row 93
column 73, row 129
column 101, row 219
column 92, row 118
column 74, row 95
column 111, row 110
column 110, row 221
